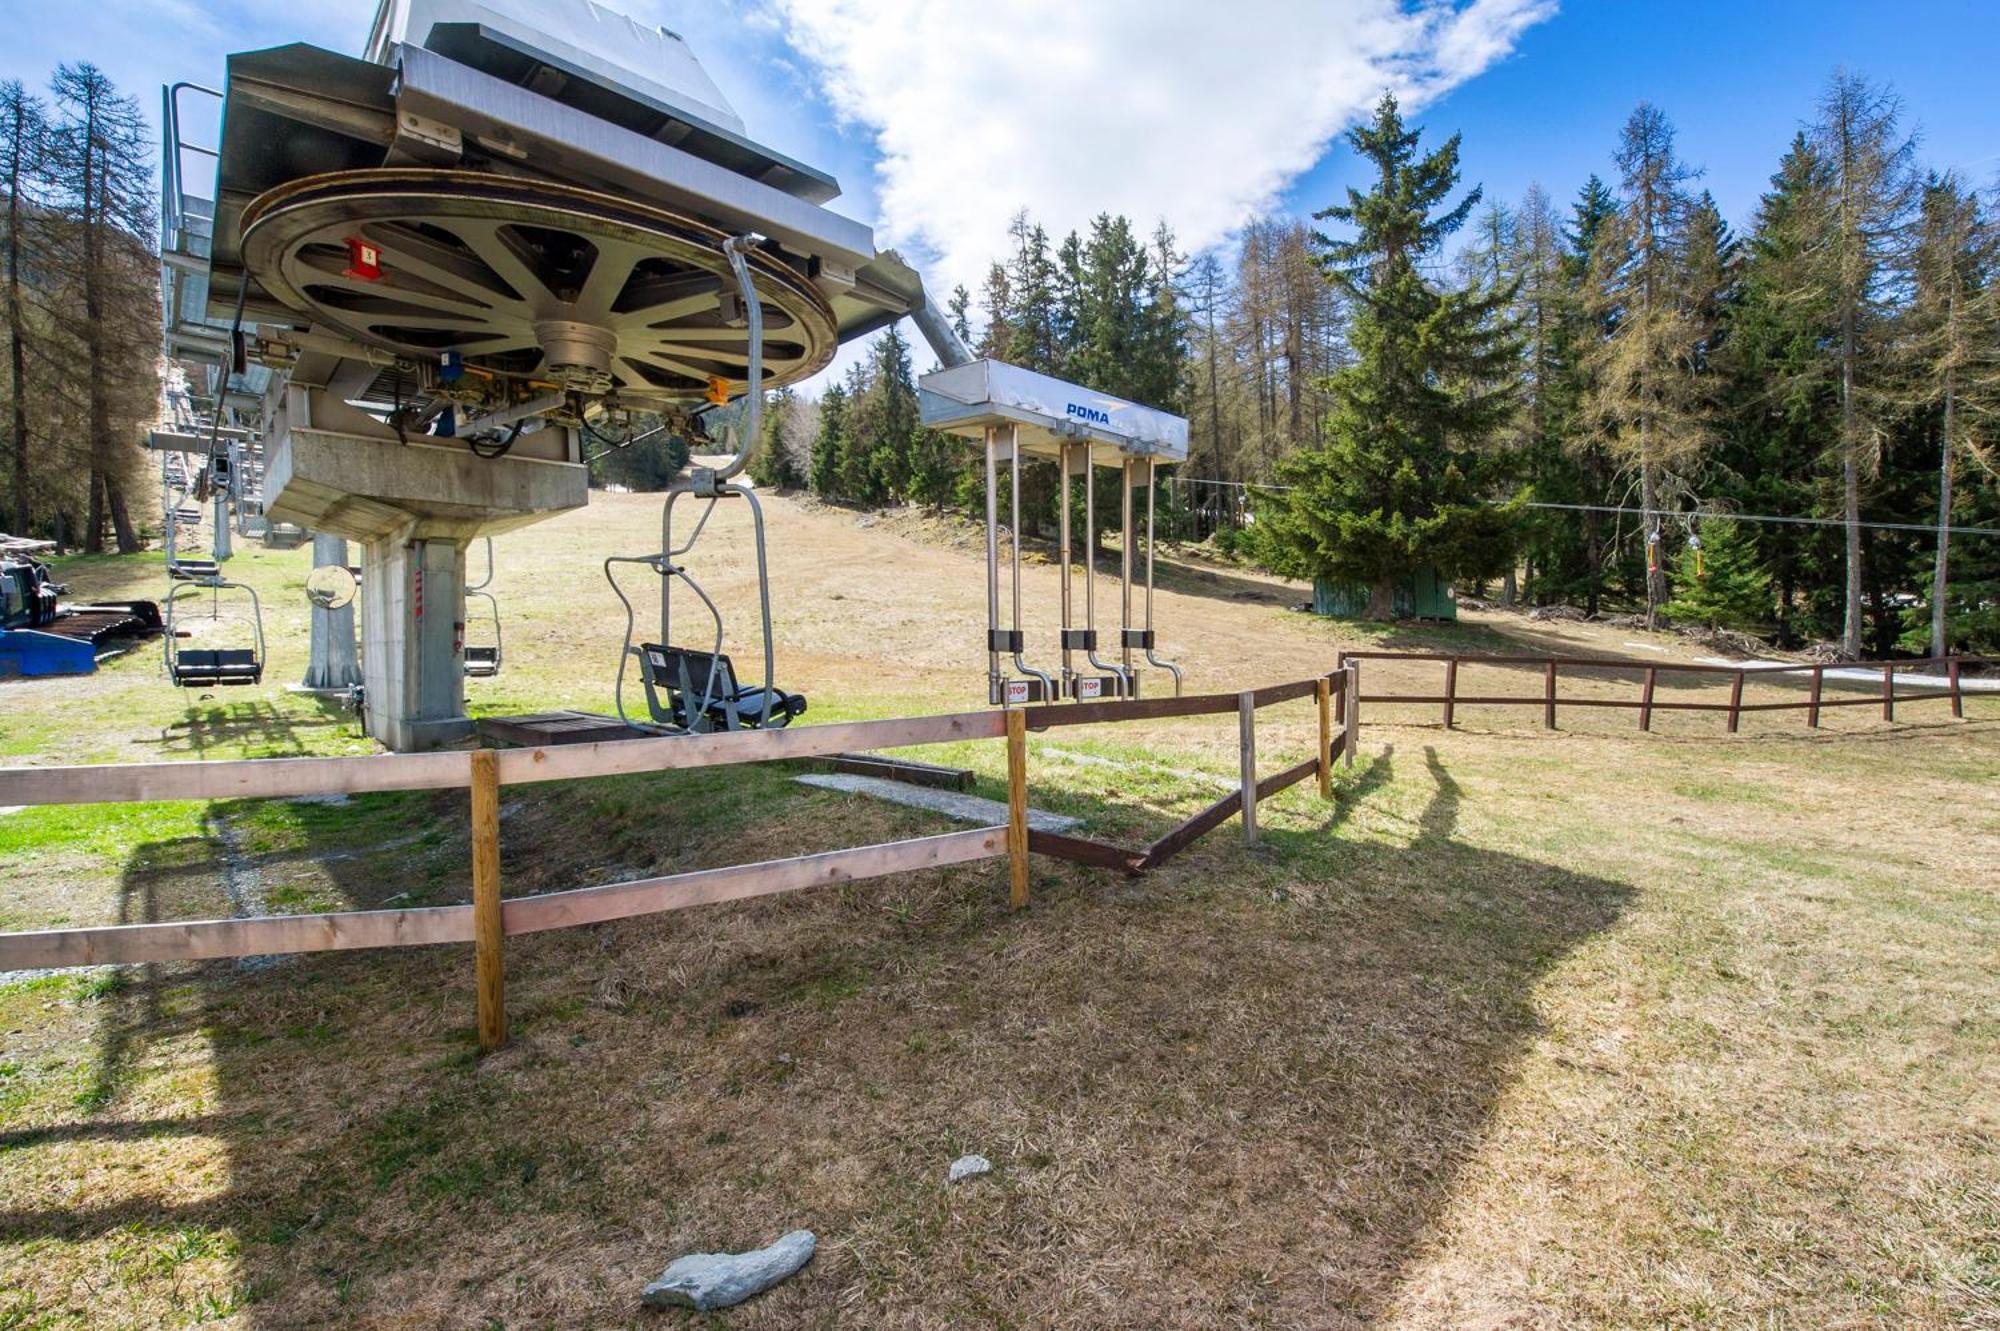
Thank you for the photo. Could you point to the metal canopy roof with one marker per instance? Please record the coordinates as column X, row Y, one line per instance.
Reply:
column 1048, row 413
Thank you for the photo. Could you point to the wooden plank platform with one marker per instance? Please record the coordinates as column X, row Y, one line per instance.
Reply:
column 541, row 729
column 906, row 770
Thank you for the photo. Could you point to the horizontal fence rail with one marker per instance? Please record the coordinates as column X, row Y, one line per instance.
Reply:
column 489, row 919
column 1948, row 687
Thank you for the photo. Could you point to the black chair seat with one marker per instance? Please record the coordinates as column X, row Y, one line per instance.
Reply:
column 229, row 665
column 702, row 693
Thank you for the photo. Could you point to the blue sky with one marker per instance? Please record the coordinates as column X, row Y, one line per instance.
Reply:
column 941, row 119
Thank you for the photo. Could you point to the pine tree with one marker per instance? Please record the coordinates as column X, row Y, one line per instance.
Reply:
column 1588, row 318
column 1535, row 262
column 1033, row 342
column 960, row 307
column 883, row 417
column 1403, row 480
column 830, row 444
column 773, row 466
column 855, row 476
column 998, row 298
column 1721, row 582
column 1781, row 402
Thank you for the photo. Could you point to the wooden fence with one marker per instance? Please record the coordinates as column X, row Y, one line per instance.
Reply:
column 1647, row 702
column 489, row 920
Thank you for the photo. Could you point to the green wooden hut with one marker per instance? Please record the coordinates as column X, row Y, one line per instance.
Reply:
column 1422, row 595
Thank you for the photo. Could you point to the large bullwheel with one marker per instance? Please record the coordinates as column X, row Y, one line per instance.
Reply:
column 530, row 280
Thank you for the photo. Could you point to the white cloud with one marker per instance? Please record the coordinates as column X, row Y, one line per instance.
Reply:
column 1183, row 109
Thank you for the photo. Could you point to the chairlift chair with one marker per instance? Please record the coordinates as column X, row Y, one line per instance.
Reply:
column 201, row 668
column 482, row 659
column 691, row 691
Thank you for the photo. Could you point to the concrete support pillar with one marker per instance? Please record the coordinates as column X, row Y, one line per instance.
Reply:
column 413, row 641
column 333, row 664
column 221, row 550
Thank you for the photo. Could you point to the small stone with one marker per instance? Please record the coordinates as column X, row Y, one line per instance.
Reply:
column 968, row 1166
column 709, row 1280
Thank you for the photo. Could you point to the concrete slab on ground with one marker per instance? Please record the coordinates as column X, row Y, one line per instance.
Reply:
column 951, row 803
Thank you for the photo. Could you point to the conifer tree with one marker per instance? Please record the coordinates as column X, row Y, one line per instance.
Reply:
column 1861, row 262
column 773, row 465
column 1720, row 581
column 830, row 444
column 1648, row 399
column 1954, row 323
column 1782, row 404
column 23, row 157
column 1403, row 480
column 104, row 166
column 1588, row 318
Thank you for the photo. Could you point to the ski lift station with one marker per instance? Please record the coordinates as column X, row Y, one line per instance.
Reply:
column 431, row 280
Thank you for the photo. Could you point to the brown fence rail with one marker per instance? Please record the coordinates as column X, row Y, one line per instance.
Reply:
column 489, row 920
column 1646, row 703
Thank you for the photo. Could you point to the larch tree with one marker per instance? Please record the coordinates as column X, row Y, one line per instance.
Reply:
column 1954, row 322
column 1405, row 477
column 1863, row 264
column 23, row 157
column 1648, row 401
column 105, row 201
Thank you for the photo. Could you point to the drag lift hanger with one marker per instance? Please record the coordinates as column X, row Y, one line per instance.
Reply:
column 1019, row 414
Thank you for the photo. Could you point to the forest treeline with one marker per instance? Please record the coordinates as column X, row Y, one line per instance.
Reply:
column 79, row 309
column 1406, row 381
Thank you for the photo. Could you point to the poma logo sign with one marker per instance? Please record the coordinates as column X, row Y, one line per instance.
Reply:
column 1089, row 415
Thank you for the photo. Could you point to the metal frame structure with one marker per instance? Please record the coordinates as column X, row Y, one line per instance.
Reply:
column 1016, row 413
column 482, row 661
column 713, row 483
column 214, row 670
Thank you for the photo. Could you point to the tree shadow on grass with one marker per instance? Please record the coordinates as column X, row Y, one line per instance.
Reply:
column 1244, row 1093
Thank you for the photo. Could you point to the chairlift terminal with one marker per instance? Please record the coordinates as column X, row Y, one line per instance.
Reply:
column 1016, row 414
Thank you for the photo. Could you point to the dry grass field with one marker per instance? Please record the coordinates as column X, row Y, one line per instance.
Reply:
column 1524, row 1029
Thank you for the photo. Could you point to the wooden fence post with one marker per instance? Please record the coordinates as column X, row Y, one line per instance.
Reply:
column 1323, row 696
column 1017, row 807
column 1246, row 724
column 1888, row 693
column 1735, row 701
column 1340, row 702
column 1812, row 704
column 488, row 937
column 1957, row 694
column 1646, row 699
column 1450, row 690
column 1351, row 736
column 1549, row 696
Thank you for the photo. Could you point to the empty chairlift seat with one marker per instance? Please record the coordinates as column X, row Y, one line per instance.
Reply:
column 193, row 668
column 696, row 690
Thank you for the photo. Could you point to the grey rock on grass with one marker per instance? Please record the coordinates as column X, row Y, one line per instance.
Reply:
column 968, row 1166
column 708, row 1280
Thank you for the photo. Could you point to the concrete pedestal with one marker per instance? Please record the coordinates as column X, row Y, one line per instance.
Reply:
column 413, row 642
